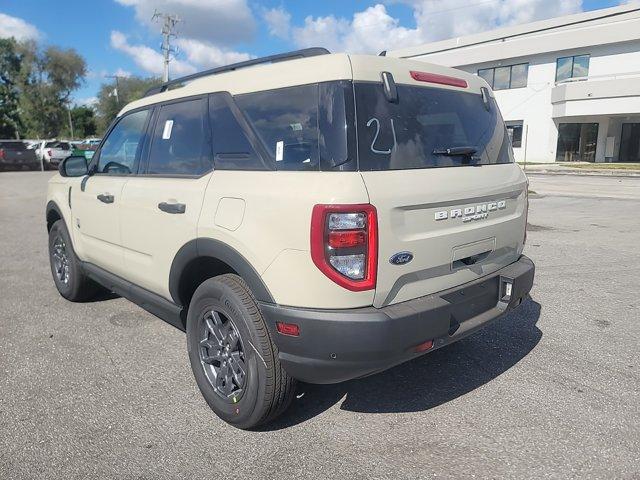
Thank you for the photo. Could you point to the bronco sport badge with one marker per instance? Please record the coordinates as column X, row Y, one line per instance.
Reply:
column 469, row 214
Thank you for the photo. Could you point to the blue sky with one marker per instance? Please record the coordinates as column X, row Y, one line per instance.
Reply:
column 117, row 36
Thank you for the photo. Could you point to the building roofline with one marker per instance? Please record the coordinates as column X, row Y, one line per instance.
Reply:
column 515, row 31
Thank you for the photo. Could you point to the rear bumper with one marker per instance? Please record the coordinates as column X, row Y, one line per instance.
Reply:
column 338, row 345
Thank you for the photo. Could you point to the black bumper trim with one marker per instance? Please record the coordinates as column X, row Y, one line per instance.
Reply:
column 339, row 345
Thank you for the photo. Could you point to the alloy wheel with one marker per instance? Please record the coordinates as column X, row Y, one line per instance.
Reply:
column 222, row 355
column 60, row 260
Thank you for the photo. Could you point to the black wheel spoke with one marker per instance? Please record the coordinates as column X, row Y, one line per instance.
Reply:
column 234, row 340
column 238, row 368
column 212, row 358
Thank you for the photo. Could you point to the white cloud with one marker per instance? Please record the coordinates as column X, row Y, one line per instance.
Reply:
column 122, row 73
column 278, row 22
column 17, row 28
column 147, row 58
column 87, row 102
column 373, row 29
column 461, row 18
column 205, row 33
column 205, row 54
column 223, row 22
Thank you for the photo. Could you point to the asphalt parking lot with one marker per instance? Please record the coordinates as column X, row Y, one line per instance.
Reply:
column 104, row 389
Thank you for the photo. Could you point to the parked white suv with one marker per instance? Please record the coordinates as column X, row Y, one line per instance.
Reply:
column 315, row 217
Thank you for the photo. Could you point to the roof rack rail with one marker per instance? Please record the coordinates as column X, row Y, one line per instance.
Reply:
column 280, row 57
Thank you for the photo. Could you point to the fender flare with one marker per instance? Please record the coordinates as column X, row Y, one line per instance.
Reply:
column 208, row 247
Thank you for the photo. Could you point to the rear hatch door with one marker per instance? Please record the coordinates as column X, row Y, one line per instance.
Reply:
column 438, row 166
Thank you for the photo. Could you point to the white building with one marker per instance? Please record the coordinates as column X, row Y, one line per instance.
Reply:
column 568, row 88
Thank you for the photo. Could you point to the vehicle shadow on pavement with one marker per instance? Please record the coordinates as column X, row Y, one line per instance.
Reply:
column 102, row 296
column 430, row 380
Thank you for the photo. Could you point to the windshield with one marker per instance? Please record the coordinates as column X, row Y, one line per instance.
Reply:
column 427, row 128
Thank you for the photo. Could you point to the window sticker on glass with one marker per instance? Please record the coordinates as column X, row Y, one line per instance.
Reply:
column 296, row 127
column 279, row 151
column 166, row 133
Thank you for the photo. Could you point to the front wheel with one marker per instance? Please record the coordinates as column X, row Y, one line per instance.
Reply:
column 234, row 360
column 66, row 269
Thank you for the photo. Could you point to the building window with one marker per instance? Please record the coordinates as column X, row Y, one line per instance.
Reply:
column 504, row 78
column 577, row 142
column 572, row 67
column 514, row 128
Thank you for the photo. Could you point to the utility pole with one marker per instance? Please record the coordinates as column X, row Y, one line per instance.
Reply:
column 116, row 92
column 169, row 22
column 70, row 121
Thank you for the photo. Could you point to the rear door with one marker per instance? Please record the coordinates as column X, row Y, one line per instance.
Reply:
column 161, row 206
column 439, row 169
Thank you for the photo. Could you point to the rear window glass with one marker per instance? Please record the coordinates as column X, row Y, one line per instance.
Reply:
column 413, row 132
column 59, row 145
column 13, row 145
column 180, row 141
column 286, row 122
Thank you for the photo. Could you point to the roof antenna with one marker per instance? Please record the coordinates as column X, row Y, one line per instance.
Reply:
column 383, row 53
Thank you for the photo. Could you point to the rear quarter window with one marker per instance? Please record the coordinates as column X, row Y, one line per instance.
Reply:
column 286, row 122
column 232, row 149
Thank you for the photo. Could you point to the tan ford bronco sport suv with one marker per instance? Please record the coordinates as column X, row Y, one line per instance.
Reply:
column 306, row 216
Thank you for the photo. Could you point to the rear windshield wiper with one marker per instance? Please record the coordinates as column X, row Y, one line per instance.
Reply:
column 456, row 151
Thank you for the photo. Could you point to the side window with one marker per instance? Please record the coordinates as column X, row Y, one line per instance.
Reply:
column 120, row 150
column 179, row 144
column 231, row 148
column 286, row 121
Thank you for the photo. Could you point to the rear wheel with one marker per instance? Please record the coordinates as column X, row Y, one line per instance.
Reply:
column 67, row 272
column 234, row 360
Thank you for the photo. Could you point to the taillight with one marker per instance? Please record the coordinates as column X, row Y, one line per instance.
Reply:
column 439, row 79
column 1, row 153
column 344, row 244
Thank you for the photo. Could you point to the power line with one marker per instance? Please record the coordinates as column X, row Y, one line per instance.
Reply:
column 169, row 22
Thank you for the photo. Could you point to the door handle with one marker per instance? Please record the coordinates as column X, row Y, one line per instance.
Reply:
column 105, row 198
column 172, row 207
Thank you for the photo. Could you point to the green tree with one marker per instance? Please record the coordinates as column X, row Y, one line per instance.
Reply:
column 47, row 80
column 115, row 95
column 84, row 123
column 10, row 59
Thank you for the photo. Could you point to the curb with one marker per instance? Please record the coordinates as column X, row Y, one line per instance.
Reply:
column 586, row 173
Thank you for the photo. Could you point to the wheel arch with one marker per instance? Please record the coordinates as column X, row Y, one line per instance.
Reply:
column 204, row 258
column 53, row 213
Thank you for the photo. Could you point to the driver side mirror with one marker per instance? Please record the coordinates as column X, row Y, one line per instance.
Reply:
column 74, row 166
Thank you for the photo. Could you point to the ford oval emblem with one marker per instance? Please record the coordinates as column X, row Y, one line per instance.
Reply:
column 401, row 258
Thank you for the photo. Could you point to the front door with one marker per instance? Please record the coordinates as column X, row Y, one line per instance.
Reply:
column 161, row 207
column 96, row 221
column 630, row 143
column 96, row 201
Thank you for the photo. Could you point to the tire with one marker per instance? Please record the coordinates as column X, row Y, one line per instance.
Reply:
column 66, row 269
column 265, row 390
